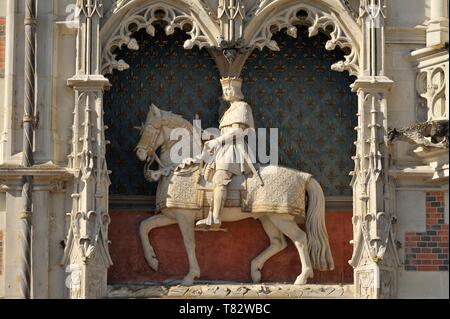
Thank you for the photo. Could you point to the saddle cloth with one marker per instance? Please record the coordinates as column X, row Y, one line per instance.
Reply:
column 236, row 195
column 283, row 193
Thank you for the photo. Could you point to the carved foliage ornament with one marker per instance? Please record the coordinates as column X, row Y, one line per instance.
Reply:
column 316, row 20
column 143, row 19
column 87, row 231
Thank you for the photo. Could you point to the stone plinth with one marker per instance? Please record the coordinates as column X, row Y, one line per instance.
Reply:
column 232, row 290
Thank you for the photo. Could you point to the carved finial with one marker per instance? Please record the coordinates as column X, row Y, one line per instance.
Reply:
column 89, row 8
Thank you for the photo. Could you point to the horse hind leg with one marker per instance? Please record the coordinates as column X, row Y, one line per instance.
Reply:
column 186, row 221
column 145, row 227
column 290, row 228
column 277, row 244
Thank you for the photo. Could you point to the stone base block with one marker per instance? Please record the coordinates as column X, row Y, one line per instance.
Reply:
column 219, row 291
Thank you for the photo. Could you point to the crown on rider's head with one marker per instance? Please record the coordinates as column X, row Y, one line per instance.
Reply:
column 231, row 80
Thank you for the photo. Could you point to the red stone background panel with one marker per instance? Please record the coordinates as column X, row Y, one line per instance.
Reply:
column 223, row 256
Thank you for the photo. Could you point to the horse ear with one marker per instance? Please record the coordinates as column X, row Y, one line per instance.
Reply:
column 139, row 128
column 155, row 110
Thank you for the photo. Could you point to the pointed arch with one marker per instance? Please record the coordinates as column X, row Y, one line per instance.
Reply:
column 327, row 15
column 133, row 15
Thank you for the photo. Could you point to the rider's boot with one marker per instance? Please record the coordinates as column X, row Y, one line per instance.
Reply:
column 218, row 202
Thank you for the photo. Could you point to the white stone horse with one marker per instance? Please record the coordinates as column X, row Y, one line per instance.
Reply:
column 313, row 246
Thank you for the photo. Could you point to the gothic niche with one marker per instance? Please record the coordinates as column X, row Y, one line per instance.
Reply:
column 296, row 90
column 162, row 72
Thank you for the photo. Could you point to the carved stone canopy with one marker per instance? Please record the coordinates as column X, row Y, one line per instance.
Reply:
column 206, row 30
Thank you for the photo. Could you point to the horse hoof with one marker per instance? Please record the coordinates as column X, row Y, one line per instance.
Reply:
column 303, row 278
column 187, row 281
column 153, row 263
column 256, row 276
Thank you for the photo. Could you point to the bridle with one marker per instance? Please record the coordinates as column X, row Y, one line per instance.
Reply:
column 148, row 143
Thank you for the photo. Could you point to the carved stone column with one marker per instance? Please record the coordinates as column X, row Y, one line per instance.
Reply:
column 375, row 259
column 437, row 31
column 86, row 255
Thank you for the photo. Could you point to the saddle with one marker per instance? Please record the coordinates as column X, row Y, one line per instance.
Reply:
column 283, row 193
column 236, row 196
column 237, row 188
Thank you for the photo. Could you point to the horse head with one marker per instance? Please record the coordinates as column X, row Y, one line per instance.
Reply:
column 150, row 132
column 156, row 131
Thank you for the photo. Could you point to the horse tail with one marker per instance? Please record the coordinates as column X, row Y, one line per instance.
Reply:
column 318, row 244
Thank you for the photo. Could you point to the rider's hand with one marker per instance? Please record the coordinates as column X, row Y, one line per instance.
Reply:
column 212, row 144
column 187, row 161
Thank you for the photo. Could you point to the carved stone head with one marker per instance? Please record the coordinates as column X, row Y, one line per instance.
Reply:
column 231, row 88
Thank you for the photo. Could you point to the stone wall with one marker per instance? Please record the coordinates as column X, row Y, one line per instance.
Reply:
column 1, row 252
column 2, row 46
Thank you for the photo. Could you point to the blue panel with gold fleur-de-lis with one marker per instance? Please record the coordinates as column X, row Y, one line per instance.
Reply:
column 293, row 90
column 162, row 72
column 312, row 106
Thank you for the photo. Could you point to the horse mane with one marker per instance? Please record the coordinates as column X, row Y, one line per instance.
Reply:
column 173, row 120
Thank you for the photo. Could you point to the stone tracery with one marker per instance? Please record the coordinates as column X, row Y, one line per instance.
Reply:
column 316, row 20
column 174, row 18
column 257, row 33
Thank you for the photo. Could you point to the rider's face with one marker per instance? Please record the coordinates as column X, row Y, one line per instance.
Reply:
column 230, row 94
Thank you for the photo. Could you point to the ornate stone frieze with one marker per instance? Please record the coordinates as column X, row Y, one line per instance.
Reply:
column 213, row 290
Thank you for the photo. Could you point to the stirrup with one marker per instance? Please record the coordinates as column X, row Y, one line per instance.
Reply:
column 208, row 224
column 202, row 223
column 209, row 221
column 216, row 223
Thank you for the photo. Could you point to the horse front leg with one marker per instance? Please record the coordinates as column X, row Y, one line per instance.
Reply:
column 277, row 244
column 145, row 227
column 288, row 226
column 186, row 222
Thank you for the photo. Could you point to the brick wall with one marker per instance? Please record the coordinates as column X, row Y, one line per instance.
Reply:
column 2, row 46
column 428, row 251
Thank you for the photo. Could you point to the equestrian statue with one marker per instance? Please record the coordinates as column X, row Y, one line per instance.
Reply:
column 225, row 181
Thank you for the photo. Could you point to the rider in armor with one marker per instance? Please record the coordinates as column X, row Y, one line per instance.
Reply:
column 230, row 151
